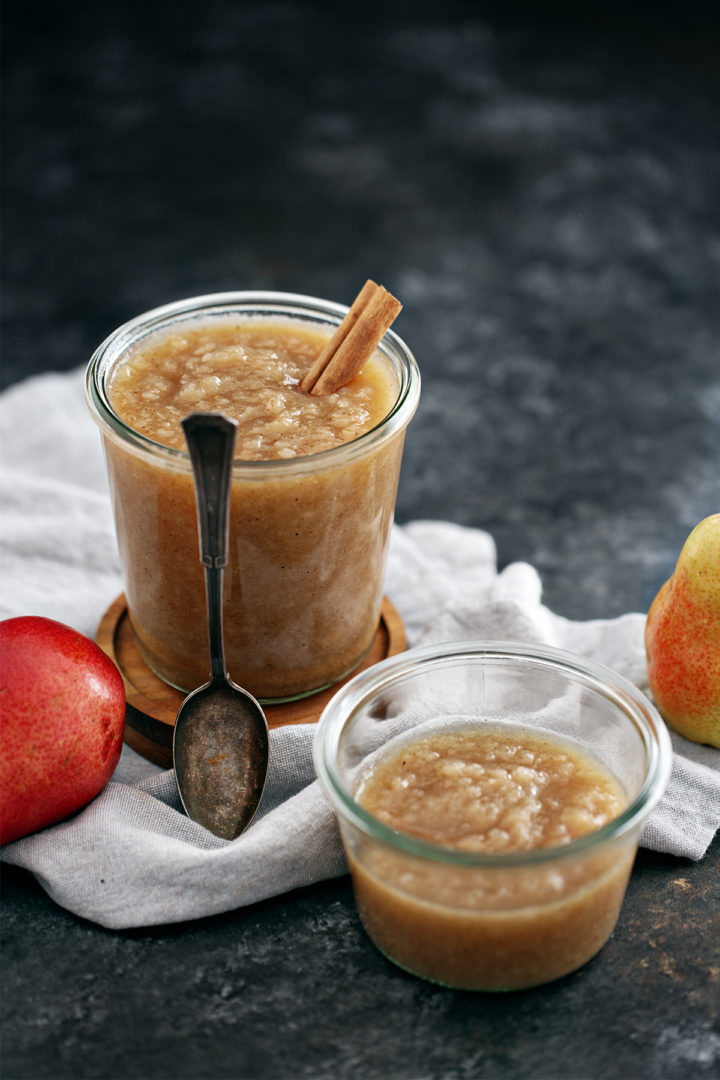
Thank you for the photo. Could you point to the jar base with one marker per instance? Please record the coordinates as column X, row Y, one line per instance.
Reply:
column 152, row 704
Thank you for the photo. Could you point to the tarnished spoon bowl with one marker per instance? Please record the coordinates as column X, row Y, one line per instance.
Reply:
column 220, row 752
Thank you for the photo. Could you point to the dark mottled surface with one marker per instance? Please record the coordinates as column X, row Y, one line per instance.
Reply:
column 542, row 192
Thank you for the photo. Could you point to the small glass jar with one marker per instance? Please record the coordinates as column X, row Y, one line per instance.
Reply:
column 308, row 535
column 490, row 921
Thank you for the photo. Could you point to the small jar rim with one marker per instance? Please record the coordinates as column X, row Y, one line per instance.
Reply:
column 610, row 684
column 262, row 303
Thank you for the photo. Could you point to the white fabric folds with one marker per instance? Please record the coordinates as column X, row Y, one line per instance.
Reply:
column 132, row 858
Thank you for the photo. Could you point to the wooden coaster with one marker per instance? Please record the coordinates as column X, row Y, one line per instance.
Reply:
column 152, row 705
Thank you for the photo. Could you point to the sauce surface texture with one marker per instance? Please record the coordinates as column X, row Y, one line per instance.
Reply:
column 491, row 791
column 250, row 371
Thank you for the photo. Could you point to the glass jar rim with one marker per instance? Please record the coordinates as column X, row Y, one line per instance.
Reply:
column 610, row 684
column 262, row 303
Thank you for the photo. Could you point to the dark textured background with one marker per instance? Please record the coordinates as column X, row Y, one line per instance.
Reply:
column 540, row 185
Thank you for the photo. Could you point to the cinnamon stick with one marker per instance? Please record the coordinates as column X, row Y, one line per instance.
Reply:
column 355, row 340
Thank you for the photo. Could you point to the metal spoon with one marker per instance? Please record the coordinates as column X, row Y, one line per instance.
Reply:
column 220, row 742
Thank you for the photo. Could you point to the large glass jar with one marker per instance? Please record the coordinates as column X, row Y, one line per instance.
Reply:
column 308, row 535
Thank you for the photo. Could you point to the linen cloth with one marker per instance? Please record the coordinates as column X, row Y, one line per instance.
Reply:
column 132, row 858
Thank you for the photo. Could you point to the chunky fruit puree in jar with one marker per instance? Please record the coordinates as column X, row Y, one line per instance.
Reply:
column 490, row 796
column 494, row 792
column 313, row 489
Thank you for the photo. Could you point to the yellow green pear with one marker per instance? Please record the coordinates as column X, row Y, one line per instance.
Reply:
column 682, row 638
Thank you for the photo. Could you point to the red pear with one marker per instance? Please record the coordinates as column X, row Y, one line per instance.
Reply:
column 682, row 638
column 62, row 718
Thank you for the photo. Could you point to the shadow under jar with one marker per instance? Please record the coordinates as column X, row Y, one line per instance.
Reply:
column 468, row 914
column 308, row 534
